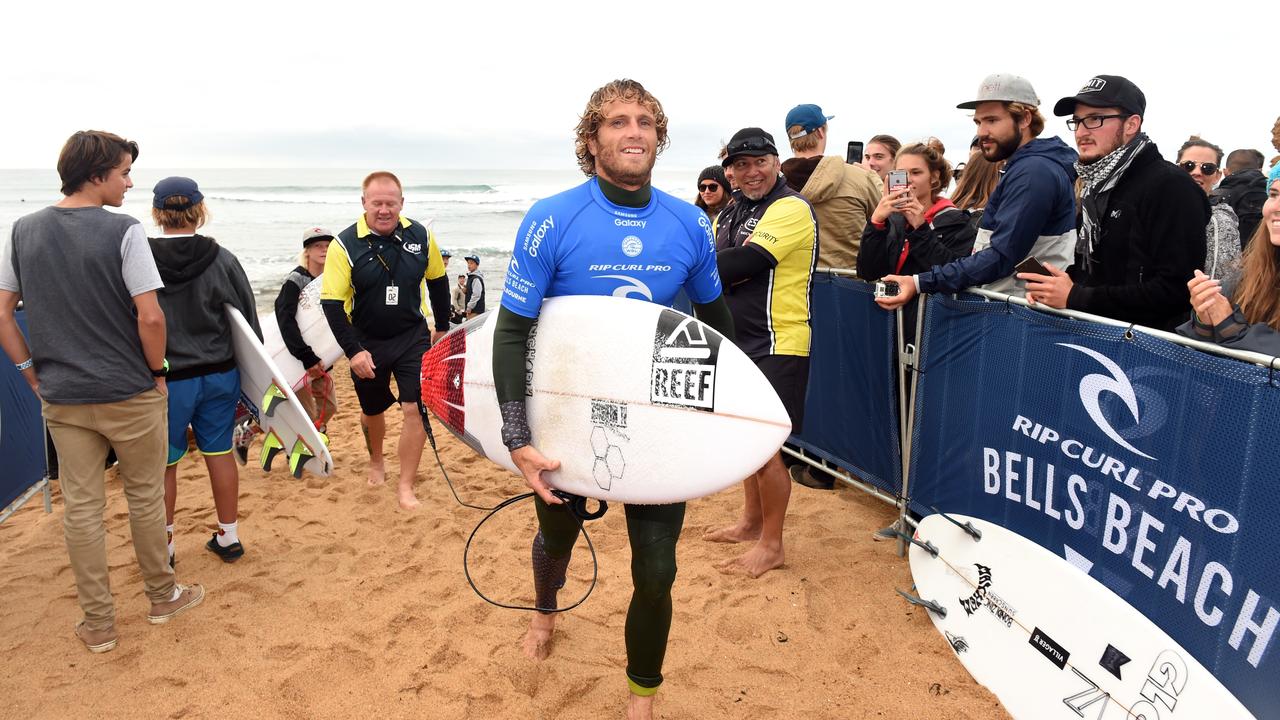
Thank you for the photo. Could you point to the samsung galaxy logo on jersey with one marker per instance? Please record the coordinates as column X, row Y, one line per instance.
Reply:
column 629, row 223
column 531, row 245
column 629, row 268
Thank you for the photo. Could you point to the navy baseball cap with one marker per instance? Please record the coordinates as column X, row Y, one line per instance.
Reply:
column 473, row 258
column 176, row 187
column 808, row 116
column 445, row 253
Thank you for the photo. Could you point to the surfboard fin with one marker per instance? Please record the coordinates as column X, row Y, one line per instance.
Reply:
column 929, row 605
column 271, row 446
column 271, row 400
column 968, row 527
column 298, row 457
column 926, row 546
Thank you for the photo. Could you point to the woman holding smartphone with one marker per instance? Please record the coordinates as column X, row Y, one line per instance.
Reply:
column 1250, row 320
column 913, row 227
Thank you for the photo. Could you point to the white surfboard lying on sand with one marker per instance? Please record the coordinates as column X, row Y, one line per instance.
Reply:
column 286, row 427
column 315, row 330
column 640, row 403
column 1050, row 641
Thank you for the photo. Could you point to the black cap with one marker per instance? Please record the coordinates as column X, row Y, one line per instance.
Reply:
column 751, row 141
column 176, row 187
column 1105, row 91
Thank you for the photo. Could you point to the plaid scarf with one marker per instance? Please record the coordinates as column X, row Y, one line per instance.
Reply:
column 1098, row 179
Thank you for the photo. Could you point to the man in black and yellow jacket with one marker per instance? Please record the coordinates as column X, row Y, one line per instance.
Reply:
column 374, row 278
column 765, row 250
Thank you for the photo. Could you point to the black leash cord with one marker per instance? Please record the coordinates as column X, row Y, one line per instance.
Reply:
column 595, row 565
column 578, row 508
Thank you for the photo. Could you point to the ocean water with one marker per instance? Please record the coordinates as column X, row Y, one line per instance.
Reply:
column 260, row 214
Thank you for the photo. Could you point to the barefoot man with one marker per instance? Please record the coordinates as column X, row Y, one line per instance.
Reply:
column 613, row 235
column 765, row 243
column 371, row 295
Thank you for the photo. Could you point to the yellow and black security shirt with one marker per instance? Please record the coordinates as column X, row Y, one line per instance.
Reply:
column 379, row 279
column 771, row 307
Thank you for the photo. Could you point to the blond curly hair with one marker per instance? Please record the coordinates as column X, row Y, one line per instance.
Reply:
column 589, row 123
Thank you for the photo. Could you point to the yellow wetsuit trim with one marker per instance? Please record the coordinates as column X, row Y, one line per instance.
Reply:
column 641, row 690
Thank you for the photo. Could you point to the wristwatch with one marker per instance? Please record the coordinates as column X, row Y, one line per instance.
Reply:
column 164, row 370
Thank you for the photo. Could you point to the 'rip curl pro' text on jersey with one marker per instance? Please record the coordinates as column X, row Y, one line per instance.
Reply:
column 579, row 243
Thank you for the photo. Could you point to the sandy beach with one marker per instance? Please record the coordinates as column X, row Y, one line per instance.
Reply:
column 344, row 606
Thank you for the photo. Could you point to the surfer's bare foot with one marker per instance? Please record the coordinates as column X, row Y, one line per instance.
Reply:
column 377, row 474
column 640, row 708
column 537, row 641
column 740, row 531
column 754, row 562
column 408, row 501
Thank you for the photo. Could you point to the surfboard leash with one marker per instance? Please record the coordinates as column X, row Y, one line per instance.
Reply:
column 577, row 506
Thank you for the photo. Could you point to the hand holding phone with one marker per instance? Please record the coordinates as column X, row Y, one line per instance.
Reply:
column 897, row 180
column 1031, row 266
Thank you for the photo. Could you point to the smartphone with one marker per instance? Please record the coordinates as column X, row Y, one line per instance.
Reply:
column 897, row 180
column 1032, row 266
column 885, row 288
column 853, row 155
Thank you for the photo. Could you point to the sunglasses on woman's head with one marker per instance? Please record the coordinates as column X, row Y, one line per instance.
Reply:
column 1205, row 168
column 708, row 187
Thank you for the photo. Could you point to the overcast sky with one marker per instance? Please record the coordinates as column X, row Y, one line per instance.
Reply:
column 486, row 85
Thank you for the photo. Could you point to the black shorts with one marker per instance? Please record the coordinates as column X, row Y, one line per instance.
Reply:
column 400, row 356
column 789, row 376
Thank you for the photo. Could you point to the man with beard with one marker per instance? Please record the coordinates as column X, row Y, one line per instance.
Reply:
column 766, row 244
column 615, row 218
column 1030, row 213
column 1142, row 218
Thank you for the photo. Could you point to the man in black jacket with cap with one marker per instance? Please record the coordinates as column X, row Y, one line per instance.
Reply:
column 1141, row 221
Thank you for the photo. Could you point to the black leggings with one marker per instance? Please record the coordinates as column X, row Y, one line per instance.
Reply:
column 653, row 531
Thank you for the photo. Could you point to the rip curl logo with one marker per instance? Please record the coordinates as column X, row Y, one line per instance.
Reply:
column 1094, row 85
column 1091, row 389
column 631, row 288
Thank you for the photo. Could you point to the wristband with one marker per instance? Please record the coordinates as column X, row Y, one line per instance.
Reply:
column 24, row 364
column 163, row 371
column 515, row 425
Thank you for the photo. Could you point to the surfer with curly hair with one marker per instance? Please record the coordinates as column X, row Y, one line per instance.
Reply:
column 612, row 218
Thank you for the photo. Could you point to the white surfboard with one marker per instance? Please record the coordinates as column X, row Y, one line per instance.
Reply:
column 640, row 403
column 315, row 331
column 287, row 429
column 1050, row 641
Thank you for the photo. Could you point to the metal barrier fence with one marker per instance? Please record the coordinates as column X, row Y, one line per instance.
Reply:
column 1142, row 457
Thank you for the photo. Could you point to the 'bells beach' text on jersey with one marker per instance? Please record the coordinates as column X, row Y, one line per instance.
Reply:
column 579, row 243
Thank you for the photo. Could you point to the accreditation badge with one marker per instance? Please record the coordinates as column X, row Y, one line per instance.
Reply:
column 393, row 295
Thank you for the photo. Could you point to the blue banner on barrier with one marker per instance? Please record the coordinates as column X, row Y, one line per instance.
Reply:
column 1149, row 465
column 21, row 431
column 851, row 409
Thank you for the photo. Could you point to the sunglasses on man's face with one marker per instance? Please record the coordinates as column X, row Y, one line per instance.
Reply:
column 709, row 187
column 1205, row 168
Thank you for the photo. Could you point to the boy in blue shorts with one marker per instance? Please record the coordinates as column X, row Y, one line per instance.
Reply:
column 204, row 384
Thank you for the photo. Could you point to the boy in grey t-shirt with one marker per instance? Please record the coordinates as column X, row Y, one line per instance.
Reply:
column 96, row 359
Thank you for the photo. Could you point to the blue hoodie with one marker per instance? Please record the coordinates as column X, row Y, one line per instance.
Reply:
column 1032, row 212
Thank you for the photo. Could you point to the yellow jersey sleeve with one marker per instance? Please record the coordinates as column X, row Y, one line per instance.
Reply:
column 786, row 227
column 435, row 263
column 336, row 282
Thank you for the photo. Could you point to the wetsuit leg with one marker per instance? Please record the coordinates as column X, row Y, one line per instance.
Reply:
column 653, row 531
column 552, row 548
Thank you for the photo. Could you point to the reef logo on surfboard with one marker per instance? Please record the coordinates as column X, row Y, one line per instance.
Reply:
column 685, row 354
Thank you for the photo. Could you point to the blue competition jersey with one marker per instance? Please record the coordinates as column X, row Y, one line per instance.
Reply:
column 579, row 243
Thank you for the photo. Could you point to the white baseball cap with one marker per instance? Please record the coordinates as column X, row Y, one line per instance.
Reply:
column 1002, row 87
